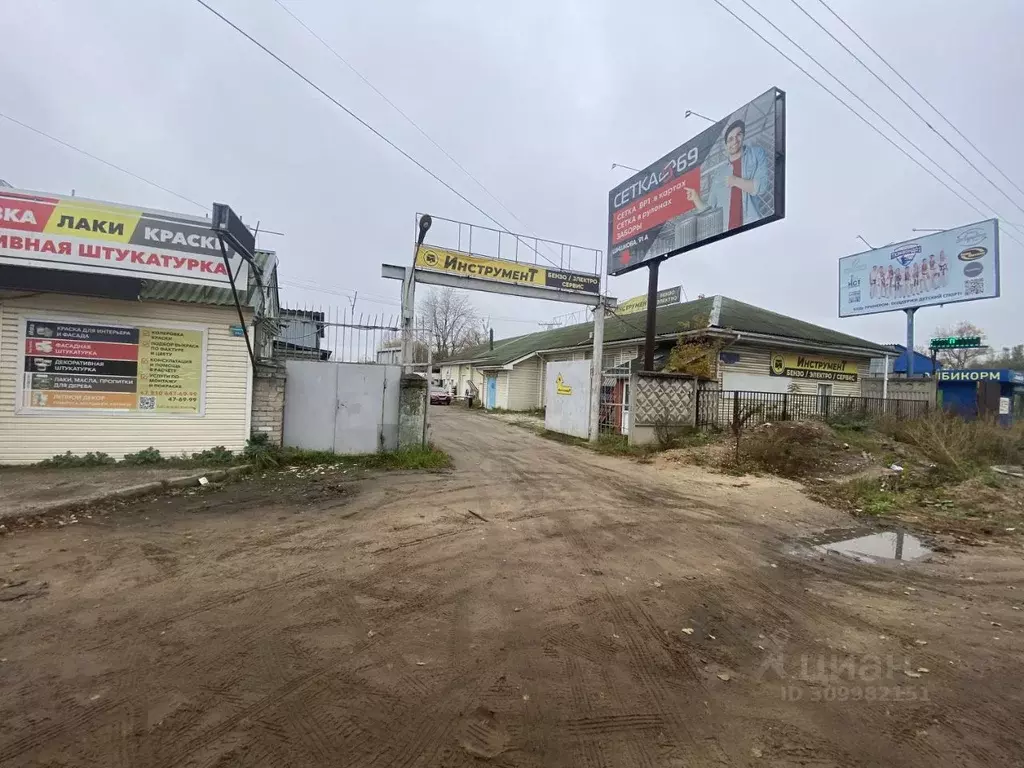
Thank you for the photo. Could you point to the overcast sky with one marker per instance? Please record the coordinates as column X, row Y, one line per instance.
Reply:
column 536, row 99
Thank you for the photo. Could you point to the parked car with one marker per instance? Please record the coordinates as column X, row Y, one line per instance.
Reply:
column 440, row 397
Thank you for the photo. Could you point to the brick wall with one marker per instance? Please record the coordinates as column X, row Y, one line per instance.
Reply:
column 268, row 400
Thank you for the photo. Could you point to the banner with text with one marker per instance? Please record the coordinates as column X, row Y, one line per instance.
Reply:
column 87, row 236
column 639, row 303
column 81, row 366
column 799, row 366
column 501, row 270
column 956, row 265
column 727, row 179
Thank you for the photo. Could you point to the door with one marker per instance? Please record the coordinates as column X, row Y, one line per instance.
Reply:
column 824, row 392
column 492, row 392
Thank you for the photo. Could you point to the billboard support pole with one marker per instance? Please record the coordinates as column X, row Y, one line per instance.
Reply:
column 910, row 341
column 652, row 313
column 596, row 372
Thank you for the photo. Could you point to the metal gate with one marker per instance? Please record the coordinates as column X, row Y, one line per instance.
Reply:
column 341, row 407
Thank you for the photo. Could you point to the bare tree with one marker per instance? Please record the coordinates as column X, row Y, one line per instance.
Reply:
column 451, row 320
column 960, row 358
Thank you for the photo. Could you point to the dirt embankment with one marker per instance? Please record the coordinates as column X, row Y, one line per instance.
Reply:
column 537, row 605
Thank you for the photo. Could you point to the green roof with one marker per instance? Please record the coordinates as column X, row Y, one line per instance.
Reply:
column 733, row 315
column 189, row 293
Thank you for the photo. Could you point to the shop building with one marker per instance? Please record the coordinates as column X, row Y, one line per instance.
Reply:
column 119, row 331
column 757, row 350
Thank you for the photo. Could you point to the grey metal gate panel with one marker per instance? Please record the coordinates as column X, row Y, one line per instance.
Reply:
column 341, row 407
column 360, row 410
column 310, row 402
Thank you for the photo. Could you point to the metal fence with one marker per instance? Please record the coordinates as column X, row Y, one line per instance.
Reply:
column 723, row 408
column 337, row 334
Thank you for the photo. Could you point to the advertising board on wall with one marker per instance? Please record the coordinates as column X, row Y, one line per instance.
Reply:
column 83, row 366
column 816, row 367
column 502, row 270
column 72, row 233
column 726, row 180
column 959, row 264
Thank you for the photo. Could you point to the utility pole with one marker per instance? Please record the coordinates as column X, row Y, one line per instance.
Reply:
column 597, row 372
column 409, row 296
column 652, row 313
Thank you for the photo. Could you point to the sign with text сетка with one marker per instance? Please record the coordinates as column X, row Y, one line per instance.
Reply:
column 72, row 233
column 726, row 180
column 959, row 264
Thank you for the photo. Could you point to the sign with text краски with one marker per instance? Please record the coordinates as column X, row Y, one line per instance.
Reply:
column 504, row 271
column 819, row 368
column 72, row 233
column 82, row 366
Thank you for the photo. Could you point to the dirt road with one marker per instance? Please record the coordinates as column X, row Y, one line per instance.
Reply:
column 537, row 606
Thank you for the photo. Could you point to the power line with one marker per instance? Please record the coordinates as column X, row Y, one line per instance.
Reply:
column 360, row 120
column 861, row 117
column 874, row 111
column 404, row 115
column 107, row 163
column 909, row 106
column 921, row 96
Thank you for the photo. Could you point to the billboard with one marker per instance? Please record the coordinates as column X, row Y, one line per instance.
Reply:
column 501, row 270
column 956, row 265
column 72, row 233
column 82, row 366
column 639, row 303
column 726, row 180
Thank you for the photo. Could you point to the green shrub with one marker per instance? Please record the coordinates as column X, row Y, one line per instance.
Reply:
column 216, row 455
column 69, row 459
column 144, row 457
column 260, row 452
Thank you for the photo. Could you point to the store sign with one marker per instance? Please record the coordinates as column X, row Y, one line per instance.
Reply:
column 639, row 303
column 500, row 270
column 87, row 236
column 798, row 366
column 86, row 367
column 998, row 374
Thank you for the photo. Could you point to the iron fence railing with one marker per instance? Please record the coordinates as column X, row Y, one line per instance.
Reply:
column 337, row 334
column 723, row 408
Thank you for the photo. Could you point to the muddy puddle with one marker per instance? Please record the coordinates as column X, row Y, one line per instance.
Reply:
column 872, row 547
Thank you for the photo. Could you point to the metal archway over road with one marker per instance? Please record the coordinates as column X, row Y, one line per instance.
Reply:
column 457, row 254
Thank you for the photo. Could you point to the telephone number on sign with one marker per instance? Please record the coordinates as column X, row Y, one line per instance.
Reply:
column 854, row 693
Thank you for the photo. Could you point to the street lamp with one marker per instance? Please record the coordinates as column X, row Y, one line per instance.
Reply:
column 627, row 167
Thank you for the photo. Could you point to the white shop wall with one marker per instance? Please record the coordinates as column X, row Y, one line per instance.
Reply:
column 751, row 373
column 29, row 437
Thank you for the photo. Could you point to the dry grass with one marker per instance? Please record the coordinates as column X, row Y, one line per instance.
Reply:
column 789, row 449
column 964, row 448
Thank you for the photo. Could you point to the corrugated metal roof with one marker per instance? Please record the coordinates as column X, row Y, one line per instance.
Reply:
column 188, row 293
column 672, row 319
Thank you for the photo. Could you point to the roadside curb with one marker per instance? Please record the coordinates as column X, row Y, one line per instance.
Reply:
column 130, row 492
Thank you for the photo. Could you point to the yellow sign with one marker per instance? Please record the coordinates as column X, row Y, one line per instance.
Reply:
column 799, row 366
column 561, row 388
column 500, row 270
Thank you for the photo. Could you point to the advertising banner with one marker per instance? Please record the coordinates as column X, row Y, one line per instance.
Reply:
column 81, row 366
column 81, row 235
column 728, row 179
column 799, row 366
column 956, row 265
column 501, row 270
column 639, row 303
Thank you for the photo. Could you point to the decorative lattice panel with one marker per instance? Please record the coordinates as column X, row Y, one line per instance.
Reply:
column 664, row 400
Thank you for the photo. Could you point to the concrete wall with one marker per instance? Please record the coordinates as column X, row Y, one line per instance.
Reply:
column 900, row 389
column 268, row 399
column 660, row 401
column 412, row 410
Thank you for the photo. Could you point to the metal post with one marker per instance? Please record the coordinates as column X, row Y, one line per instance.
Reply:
column 910, row 341
column 885, row 379
column 596, row 372
column 426, row 405
column 652, row 314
